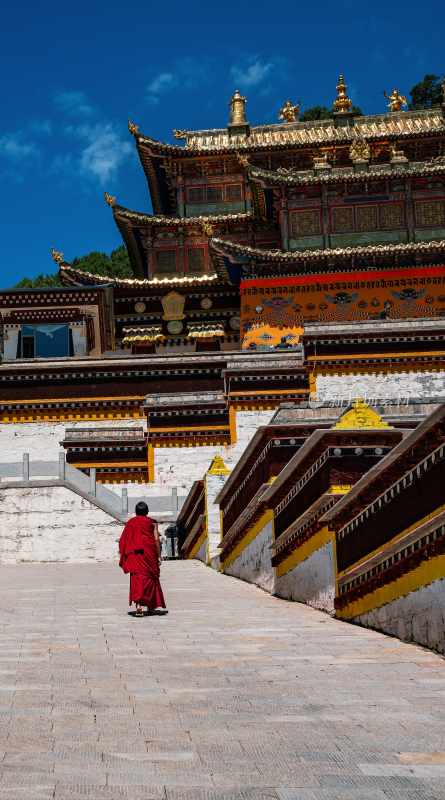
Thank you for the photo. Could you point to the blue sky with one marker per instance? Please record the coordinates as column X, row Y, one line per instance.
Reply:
column 72, row 74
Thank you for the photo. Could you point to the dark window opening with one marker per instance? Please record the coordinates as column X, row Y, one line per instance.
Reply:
column 166, row 261
column 28, row 347
column 196, row 260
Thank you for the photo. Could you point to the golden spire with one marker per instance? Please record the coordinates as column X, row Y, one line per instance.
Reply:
column 342, row 104
column 57, row 256
column 133, row 128
column 395, row 100
column 238, row 109
column 288, row 112
column 109, row 199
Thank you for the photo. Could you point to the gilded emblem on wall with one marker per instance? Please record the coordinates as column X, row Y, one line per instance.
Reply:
column 359, row 150
column 173, row 304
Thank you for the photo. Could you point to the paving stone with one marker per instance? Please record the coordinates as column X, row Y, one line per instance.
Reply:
column 235, row 695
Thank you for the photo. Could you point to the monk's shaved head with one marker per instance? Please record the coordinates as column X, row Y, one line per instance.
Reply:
column 141, row 509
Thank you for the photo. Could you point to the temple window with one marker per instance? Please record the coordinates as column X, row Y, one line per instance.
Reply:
column 196, row 260
column 430, row 213
column 392, row 215
column 305, row 223
column 166, row 261
column 215, row 193
column 45, row 341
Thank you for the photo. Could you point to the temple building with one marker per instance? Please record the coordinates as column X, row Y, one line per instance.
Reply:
column 287, row 262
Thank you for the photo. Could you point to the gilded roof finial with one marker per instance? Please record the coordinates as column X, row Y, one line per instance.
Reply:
column 207, row 228
column 238, row 109
column 343, row 103
column 288, row 112
column 133, row 128
column 243, row 160
column 395, row 100
column 57, row 256
column 109, row 199
column 179, row 134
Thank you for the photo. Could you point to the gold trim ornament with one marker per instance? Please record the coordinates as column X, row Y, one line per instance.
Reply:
column 109, row 199
column 342, row 104
column 57, row 256
column 360, row 416
column 238, row 109
column 395, row 100
column 359, row 150
column 133, row 128
column 289, row 112
column 173, row 304
column 217, row 467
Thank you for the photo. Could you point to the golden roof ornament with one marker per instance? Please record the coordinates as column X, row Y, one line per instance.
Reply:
column 179, row 133
column 133, row 128
column 110, row 199
column 321, row 161
column 342, row 104
column 360, row 416
column 207, row 228
column 217, row 467
column 57, row 256
column 242, row 160
column 173, row 304
column 359, row 150
column 238, row 109
column 395, row 100
column 288, row 112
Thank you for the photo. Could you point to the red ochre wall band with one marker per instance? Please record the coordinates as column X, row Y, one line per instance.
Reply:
column 277, row 308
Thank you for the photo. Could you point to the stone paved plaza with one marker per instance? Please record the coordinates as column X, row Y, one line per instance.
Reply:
column 234, row 694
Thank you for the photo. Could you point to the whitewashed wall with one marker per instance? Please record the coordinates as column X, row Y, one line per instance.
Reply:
column 254, row 563
column 417, row 617
column 312, row 581
column 381, row 386
column 178, row 466
column 54, row 524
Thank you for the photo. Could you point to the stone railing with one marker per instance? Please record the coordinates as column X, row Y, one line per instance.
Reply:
column 35, row 474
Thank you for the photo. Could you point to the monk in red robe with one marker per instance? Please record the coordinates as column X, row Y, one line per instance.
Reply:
column 140, row 555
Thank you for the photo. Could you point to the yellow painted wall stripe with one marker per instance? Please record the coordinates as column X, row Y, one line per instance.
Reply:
column 423, row 575
column 316, row 542
column 248, row 537
column 197, row 546
column 396, row 539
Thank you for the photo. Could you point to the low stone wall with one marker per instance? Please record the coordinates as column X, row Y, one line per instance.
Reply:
column 417, row 617
column 312, row 579
column 54, row 524
column 251, row 558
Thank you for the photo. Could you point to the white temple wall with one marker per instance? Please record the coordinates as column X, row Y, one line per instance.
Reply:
column 254, row 562
column 312, row 581
column 380, row 386
column 174, row 467
column 54, row 524
column 417, row 617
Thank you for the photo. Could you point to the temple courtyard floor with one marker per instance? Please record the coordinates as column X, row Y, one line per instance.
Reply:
column 234, row 694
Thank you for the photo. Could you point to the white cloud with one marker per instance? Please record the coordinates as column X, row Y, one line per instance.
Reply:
column 161, row 83
column 14, row 148
column 102, row 154
column 252, row 73
column 74, row 103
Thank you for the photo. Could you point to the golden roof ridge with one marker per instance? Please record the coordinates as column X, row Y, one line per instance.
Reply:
column 160, row 219
column 307, row 255
column 109, row 279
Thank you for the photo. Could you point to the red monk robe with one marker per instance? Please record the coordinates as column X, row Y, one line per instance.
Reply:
column 139, row 555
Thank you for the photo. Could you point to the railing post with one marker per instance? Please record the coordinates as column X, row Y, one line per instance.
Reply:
column 174, row 501
column 93, row 481
column 25, row 470
column 125, row 501
column 62, row 463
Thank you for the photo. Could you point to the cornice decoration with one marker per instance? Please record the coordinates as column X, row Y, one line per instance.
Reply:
column 360, row 416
